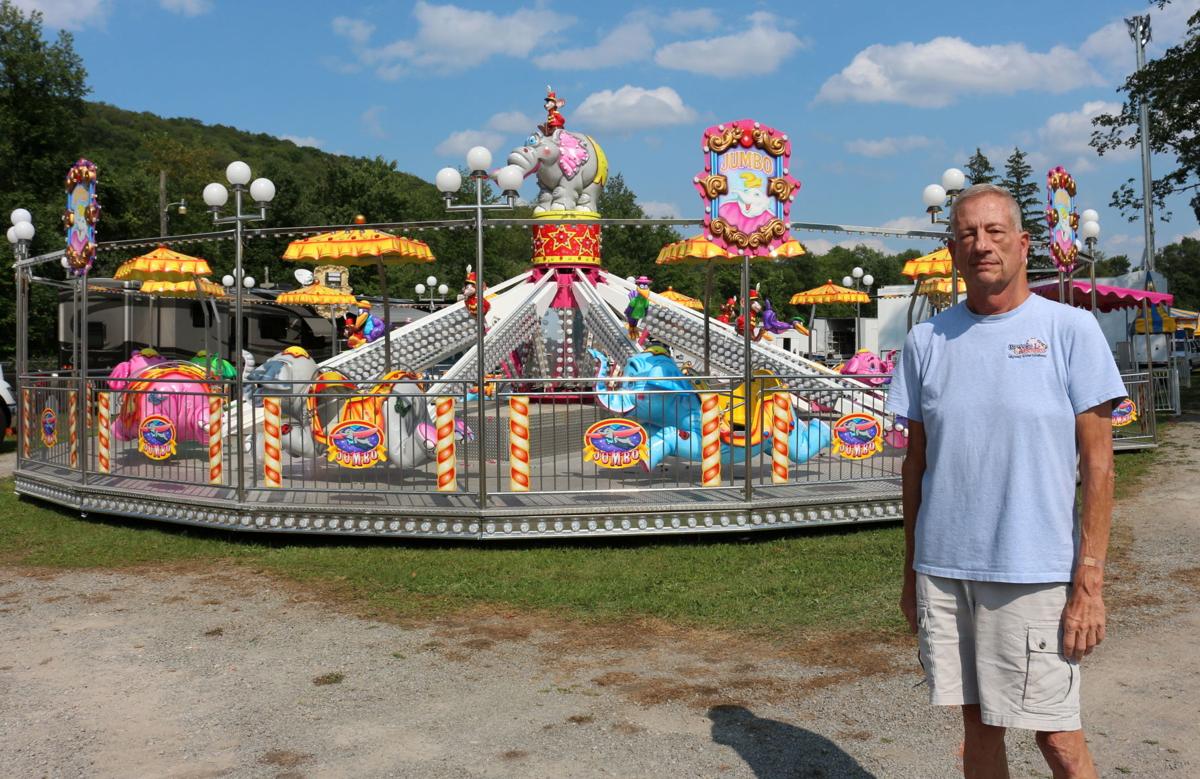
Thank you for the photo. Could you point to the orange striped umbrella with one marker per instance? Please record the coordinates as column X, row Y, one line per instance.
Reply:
column 829, row 293
column 936, row 263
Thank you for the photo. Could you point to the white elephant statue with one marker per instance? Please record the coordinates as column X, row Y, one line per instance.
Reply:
column 571, row 170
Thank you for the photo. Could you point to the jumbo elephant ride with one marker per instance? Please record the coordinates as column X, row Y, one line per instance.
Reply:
column 584, row 428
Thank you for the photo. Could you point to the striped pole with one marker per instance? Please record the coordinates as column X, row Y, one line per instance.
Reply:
column 518, row 443
column 73, row 427
column 272, row 448
column 104, row 433
column 710, row 440
column 447, row 471
column 26, row 423
column 214, row 439
column 781, row 424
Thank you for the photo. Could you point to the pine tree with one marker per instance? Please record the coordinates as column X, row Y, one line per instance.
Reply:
column 979, row 169
column 1018, row 179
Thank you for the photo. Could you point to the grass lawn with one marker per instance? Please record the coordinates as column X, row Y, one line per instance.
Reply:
column 774, row 585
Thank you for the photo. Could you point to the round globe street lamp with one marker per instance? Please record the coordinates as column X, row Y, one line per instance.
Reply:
column 938, row 197
column 431, row 284
column 1089, row 231
column 262, row 191
column 20, row 235
column 448, row 181
column 858, row 277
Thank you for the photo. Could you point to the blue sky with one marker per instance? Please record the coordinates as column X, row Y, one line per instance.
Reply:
column 878, row 97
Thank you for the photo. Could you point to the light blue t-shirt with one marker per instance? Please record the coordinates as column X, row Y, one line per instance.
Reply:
column 998, row 396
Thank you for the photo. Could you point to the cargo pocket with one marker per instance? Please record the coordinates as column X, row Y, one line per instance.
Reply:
column 924, row 656
column 1049, row 677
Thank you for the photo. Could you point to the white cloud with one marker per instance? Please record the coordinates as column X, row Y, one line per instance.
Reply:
column 633, row 108
column 372, row 122
column 758, row 50
column 935, row 74
column 512, row 122
column 187, row 7
column 67, row 14
column 886, row 147
column 629, row 42
column 303, row 140
column 1064, row 137
column 657, row 209
column 817, row 246
column 356, row 30
column 703, row 19
column 1111, row 45
column 450, row 38
column 492, row 136
column 909, row 223
column 457, row 144
column 1180, row 236
column 340, row 66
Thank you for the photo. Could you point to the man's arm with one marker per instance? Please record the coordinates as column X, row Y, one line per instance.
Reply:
column 1084, row 616
column 911, row 473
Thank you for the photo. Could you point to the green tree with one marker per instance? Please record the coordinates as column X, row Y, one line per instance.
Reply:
column 1117, row 265
column 979, row 169
column 1018, row 179
column 1180, row 263
column 42, row 86
column 1171, row 90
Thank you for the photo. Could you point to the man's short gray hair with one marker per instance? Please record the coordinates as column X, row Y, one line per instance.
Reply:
column 979, row 190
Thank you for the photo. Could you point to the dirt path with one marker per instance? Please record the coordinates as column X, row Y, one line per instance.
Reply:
column 226, row 673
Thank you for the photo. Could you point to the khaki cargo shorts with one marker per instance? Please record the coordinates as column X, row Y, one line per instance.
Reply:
column 999, row 645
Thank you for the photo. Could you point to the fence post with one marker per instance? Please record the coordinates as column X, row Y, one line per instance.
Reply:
column 710, row 440
column 104, row 432
column 215, row 407
column 518, row 443
column 73, row 427
column 272, row 446
column 447, row 471
column 781, row 423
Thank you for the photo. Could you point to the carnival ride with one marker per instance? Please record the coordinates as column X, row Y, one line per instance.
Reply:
column 607, row 408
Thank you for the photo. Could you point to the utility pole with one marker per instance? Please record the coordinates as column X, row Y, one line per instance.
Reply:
column 162, row 202
column 1139, row 31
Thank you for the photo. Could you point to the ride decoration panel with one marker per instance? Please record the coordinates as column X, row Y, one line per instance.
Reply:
column 566, row 244
column 1063, row 218
column 747, row 187
column 80, row 217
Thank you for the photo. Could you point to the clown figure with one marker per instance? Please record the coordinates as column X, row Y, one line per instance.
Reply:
column 635, row 312
column 755, row 323
column 554, row 118
column 471, row 296
column 727, row 311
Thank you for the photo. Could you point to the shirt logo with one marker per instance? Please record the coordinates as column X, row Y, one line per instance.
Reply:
column 1031, row 347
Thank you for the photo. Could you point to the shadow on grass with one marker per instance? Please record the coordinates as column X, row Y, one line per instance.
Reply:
column 777, row 750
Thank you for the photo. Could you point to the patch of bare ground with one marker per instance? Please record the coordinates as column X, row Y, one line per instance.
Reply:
column 284, row 758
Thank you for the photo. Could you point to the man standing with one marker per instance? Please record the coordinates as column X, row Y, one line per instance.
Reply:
column 1001, row 582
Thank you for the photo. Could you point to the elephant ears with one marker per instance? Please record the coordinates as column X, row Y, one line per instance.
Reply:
column 572, row 154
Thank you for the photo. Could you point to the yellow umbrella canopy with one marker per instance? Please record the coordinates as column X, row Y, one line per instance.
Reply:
column 933, row 264
column 358, row 247
column 829, row 293
column 697, row 250
column 682, row 299
column 317, row 295
column 692, row 251
column 182, row 289
column 940, row 285
column 162, row 264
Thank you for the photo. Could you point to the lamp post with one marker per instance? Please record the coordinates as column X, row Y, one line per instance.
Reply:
column 939, row 196
column 1089, row 231
column 448, row 181
column 432, row 285
column 20, row 235
column 1139, row 32
column 858, row 277
column 164, row 215
column 262, row 191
